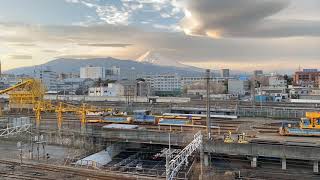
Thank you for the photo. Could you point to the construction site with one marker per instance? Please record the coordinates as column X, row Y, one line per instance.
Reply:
column 61, row 139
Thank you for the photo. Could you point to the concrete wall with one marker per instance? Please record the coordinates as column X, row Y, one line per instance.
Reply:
column 266, row 150
column 219, row 147
column 152, row 137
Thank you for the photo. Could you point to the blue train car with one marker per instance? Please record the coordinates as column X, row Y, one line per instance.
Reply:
column 117, row 119
column 143, row 116
column 299, row 132
column 294, row 129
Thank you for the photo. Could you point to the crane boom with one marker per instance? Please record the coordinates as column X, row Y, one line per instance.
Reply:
column 16, row 86
column 25, row 94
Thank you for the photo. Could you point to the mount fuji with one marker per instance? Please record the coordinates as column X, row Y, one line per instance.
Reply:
column 69, row 65
column 155, row 58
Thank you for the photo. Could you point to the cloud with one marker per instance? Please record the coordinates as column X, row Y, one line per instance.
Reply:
column 243, row 18
column 105, row 45
column 127, row 12
column 171, row 28
column 85, row 42
column 50, row 51
column 117, row 29
column 110, row 13
column 24, row 44
column 21, row 56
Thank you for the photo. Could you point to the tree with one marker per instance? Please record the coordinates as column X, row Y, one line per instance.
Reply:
column 288, row 79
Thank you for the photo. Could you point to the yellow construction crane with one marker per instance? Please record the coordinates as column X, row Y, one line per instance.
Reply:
column 63, row 108
column 39, row 107
column 29, row 94
column 43, row 106
column 82, row 111
column 25, row 94
column 83, row 115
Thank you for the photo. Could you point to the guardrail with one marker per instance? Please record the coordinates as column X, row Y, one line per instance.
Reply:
column 14, row 130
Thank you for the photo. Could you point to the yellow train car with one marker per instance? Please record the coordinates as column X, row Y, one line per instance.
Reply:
column 308, row 126
column 312, row 121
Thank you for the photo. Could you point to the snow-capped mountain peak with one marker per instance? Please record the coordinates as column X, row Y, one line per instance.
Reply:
column 157, row 59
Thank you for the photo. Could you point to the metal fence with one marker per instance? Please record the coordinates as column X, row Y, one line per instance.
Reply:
column 279, row 113
column 13, row 126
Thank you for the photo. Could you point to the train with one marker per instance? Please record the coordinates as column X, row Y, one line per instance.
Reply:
column 145, row 117
column 308, row 126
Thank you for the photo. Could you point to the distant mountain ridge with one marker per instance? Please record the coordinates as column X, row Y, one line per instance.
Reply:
column 69, row 65
column 156, row 58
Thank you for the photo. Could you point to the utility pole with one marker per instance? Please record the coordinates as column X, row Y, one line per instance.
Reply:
column 208, row 102
column 253, row 94
column 19, row 146
column 169, row 143
column 168, row 158
column 201, row 161
column 0, row 69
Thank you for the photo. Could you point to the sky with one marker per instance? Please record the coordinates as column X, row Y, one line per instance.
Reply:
column 274, row 35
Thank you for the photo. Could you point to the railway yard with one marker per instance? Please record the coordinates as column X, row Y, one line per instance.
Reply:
column 143, row 159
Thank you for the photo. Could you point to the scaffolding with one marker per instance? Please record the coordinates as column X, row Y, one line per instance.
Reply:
column 174, row 165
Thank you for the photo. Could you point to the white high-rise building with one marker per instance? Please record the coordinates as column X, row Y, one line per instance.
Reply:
column 187, row 80
column 115, row 70
column 113, row 73
column 238, row 87
column 164, row 83
column 90, row 72
column 277, row 81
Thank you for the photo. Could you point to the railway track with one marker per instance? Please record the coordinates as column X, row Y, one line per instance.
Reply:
column 213, row 102
column 49, row 120
column 11, row 175
column 98, row 175
column 202, row 104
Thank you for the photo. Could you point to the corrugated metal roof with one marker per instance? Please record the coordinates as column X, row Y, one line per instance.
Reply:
column 98, row 159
